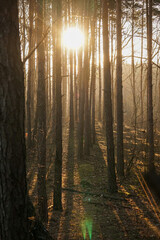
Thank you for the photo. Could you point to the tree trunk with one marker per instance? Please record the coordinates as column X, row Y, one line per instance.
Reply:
column 30, row 73
column 120, row 157
column 71, row 57
column 86, row 77
column 71, row 92
column 54, row 69
column 100, row 79
column 81, row 106
column 41, row 119
column 23, row 51
column 141, row 88
column 93, row 74
column 151, row 167
column 133, row 76
column 75, row 88
column 112, row 65
column 57, row 202
column 34, row 76
column 108, row 103
column 13, row 187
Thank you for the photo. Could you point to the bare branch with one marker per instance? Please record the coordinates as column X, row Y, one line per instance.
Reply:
column 33, row 50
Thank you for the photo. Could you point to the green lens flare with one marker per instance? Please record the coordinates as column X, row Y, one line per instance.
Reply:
column 83, row 226
column 89, row 228
column 86, row 226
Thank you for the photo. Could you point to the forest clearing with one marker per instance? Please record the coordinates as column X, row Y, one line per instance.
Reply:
column 79, row 119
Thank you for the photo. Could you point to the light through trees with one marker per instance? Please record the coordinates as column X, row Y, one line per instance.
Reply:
column 73, row 38
column 88, row 107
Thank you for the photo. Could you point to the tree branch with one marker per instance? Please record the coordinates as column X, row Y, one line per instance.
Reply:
column 33, row 50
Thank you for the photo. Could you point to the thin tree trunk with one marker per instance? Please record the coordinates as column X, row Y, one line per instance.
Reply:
column 151, row 167
column 34, row 75
column 86, row 76
column 71, row 92
column 54, row 69
column 112, row 65
column 100, row 79
column 23, row 51
column 41, row 120
column 71, row 57
column 81, row 106
column 24, row 29
column 36, row 81
column 108, row 103
column 57, row 202
column 93, row 75
column 120, row 157
column 46, row 43
column 133, row 75
column 141, row 88
column 75, row 88
column 29, row 90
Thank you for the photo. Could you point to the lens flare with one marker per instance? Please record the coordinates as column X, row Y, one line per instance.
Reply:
column 86, row 226
column 83, row 226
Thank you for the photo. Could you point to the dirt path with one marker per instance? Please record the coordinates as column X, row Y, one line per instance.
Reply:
column 89, row 212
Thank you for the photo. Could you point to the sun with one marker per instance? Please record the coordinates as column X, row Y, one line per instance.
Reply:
column 73, row 38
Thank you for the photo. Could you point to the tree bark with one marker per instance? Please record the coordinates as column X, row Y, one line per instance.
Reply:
column 141, row 88
column 41, row 119
column 93, row 74
column 57, row 202
column 29, row 89
column 81, row 106
column 13, row 187
column 120, row 157
column 54, row 69
column 108, row 103
column 100, row 79
column 151, row 167
column 75, row 88
column 71, row 92
column 86, row 86
column 133, row 74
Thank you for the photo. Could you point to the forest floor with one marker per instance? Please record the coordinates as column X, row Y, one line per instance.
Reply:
column 89, row 212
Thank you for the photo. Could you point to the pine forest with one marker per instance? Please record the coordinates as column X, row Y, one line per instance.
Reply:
column 79, row 119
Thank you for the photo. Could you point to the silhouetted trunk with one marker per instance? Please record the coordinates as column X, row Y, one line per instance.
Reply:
column 71, row 56
column 24, row 29
column 30, row 71
column 120, row 157
column 151, row 167
column 86, row 76
column 75, row 88
column 41, row 119
column 112, row 64
column 81, row 105
column 54, row 69
column 81, row 97
column 34, row 83
column 141, row 88
column 57, row 201
column 23, row 51
column 71, row 92
column 133, row 74
column 108, row 103
column 100, row 79
column 93, row 75
column 13, row 188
